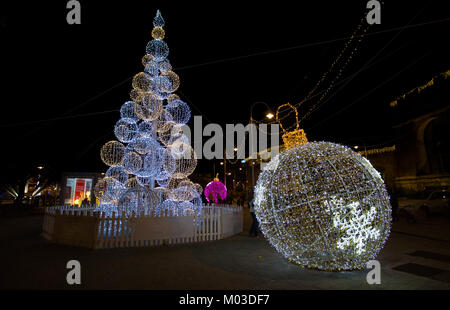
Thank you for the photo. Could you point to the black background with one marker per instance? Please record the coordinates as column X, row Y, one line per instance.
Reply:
column 52, row 70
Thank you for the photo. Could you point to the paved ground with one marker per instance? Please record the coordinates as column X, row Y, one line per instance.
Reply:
column 30, row 262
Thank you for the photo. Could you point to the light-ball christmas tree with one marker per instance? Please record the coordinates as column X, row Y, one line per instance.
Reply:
column 151, row 148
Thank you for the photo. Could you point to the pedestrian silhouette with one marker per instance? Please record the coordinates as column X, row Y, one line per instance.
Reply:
column 254, row 227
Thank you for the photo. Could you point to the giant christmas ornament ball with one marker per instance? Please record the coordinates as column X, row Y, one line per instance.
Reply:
column 323, row 206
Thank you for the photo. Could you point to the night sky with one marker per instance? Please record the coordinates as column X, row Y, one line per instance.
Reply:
column 228, row 56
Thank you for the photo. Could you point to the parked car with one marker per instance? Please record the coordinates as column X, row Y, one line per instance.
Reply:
column 435, row 202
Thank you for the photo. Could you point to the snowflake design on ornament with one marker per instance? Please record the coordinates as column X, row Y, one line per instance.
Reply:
column 355, row 225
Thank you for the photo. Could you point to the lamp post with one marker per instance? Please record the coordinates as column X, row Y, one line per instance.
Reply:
column 269, row 115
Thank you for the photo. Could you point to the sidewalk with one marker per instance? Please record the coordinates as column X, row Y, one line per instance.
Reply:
column 240, row 262
column 434, row 228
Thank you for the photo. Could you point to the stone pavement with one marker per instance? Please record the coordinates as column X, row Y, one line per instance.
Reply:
column 240, row 262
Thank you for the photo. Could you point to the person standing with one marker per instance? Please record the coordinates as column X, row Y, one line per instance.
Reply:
column 394, row 204
column 254, row 227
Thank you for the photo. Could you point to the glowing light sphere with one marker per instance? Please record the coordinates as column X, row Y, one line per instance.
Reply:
column 323, row 206
column 158, row 33
column 132, row 162
column 113, row 188
column 143, row 145
column 178, row 143
column 215, row 189
column 158, row 49
column 174, row 81
column 132, row 182
column 150, row 166
column 171, row 206
column 174, row 183
column 178, row 111
column 106, row 199
column 172, row 97
column 125, row 130
column 182, row 193
column 118, row 173
column 161, row 87
column 136, row 95
column 146, row 129
column 189, row 208
column 106, row 208
column 127, row 111
column 162, row 178
column 137, row 200
column 198, row 188
column 167, row 131
column 164, row 66
column 152, row 68
column 149, row 107
column 112, row 153
column 99, row 188
column 146, row 58
column 197, row 201
column 144, row 181
column 162, row 95
column 185, row 162
column 162, row 192
column 187, row 183
column 141, row 81
column 159, row 123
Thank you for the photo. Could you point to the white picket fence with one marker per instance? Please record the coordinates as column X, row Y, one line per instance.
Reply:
column 84, row 227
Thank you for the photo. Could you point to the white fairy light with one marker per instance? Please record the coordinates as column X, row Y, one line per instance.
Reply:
column 113, row 188
column 137, row 200
column 174, row 80
column 99, row 188
column 141, row 81
column 185, row 161
column 112, row 153
column 118, row 173
column 132, row 162
column 148, row 107
column 146, row 129
column 127, row 111
column 178, row 111
column 125, row 130
column 158, row 49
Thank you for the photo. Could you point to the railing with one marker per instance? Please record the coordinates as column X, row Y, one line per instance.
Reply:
column 84, row 227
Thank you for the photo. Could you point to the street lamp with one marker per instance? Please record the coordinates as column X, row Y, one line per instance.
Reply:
column 269, row 116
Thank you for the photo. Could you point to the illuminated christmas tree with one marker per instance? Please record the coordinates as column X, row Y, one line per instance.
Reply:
column 152, row 158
